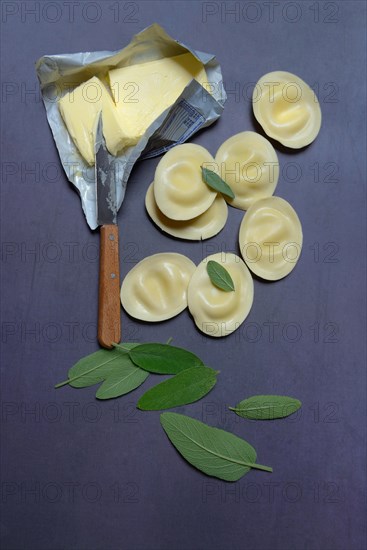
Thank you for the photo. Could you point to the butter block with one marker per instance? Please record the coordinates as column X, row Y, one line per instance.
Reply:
column 142, row 92
column 80, row 109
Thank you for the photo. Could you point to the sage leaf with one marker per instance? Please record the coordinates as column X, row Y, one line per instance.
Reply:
column 163, row 358
column 186, row 387
column 215, row 182
column 215, row 452
column 124, row 380
column 266, row 407
column 112, row 367
column 219, row 276
column 95, row 367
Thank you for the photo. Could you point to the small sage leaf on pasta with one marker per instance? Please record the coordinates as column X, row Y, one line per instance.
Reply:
column 215, row 452
column 219, row 276
column 215, row 182
column 186, row 387
column 266, row 407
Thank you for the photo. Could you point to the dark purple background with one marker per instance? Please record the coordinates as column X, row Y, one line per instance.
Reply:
column 87, row 475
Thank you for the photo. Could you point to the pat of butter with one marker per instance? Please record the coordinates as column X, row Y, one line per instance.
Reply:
column 142, row 92
column 80, row 109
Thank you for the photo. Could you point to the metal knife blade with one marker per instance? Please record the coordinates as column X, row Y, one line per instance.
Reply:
column 105, row 180
column 109, row 322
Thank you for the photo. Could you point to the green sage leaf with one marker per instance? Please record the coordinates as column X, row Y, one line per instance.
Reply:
column 219, row 276
column 112, row 367
column 266, row 407
column 186, row 387
column 215, row 182
column 215, row 452
column 93, row 368
column 124, row 380
column 163, row 358
column 96, row 367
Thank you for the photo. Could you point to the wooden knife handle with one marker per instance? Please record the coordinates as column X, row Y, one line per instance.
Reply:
column 109, row 326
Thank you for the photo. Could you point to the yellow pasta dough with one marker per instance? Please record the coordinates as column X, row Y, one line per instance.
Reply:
column 156, row 288
column 270, row 238
column 216, row 312
column 249, row 164
column 287, row 109
column 179, row 189
column 202, row 227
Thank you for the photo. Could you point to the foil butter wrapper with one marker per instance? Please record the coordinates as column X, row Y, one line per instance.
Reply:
column 193, row 110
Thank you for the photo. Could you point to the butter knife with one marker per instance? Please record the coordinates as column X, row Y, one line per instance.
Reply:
column 109, row 324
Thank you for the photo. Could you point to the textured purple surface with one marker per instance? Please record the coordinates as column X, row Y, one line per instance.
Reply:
column 87, row 475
